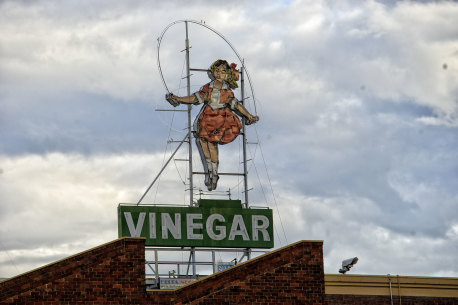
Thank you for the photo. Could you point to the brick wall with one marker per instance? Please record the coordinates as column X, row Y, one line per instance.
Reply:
column 342, row 299
column 291, row 275
column 113, row 273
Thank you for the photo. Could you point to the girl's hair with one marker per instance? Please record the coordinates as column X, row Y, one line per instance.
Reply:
column 233, row 73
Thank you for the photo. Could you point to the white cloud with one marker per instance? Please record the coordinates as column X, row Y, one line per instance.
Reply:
column 58, row 204
column 98, row 55
column 348, row 226
column 358, row 122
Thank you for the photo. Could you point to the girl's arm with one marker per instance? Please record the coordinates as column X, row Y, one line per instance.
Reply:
column 176, row 100
column 250, row 119
column 191, row 99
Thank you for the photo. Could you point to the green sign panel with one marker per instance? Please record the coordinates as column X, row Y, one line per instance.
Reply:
column 224, row 225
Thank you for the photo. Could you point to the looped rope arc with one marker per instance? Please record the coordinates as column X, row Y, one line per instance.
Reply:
column 159, row 40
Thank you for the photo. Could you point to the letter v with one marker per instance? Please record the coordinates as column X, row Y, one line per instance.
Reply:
column 135, row 231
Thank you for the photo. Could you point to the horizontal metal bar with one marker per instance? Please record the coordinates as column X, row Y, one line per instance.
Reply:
column 204, row 249
column 171, row 110
column 167, row 276
column 156, row 204
column 178, row 276
column 186, row 249
column 202, row 70
column 222, row 174
column 181, row 160
column 178, row 263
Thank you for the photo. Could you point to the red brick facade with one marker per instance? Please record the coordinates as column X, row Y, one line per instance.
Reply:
column 291, row 275
column 114, row 273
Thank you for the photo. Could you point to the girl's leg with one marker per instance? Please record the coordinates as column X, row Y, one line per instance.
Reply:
column 204, row 152
column 209, row 155
column 214, row 156
column 214, row 152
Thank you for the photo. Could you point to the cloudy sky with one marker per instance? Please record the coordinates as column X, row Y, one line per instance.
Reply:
column 357, row 142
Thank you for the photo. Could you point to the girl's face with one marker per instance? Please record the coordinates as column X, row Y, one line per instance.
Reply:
column 221, row 73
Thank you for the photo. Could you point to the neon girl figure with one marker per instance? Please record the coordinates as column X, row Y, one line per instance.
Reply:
column 217, row 122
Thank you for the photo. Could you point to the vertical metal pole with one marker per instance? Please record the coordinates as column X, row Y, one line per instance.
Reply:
column 191, row 184
column 193, row 261
column 213, row 261
column 391, row 292
column 156, row 266
column 188, row 78
column 245, row 167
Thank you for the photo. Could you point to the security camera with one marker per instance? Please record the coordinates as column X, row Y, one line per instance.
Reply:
column 347, row 264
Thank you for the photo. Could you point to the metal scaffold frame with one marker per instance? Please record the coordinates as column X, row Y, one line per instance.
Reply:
column 153, row 266
column 188, row 139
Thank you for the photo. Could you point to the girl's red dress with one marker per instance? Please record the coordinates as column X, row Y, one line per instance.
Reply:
column 218, row 124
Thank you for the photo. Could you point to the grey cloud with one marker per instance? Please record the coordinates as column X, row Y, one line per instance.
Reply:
column 80, row 123
column 358, row 122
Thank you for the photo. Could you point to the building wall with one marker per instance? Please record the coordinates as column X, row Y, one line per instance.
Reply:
column 375, row 289
column 290, row 275
column 346, row 299
column 114, row 273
